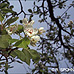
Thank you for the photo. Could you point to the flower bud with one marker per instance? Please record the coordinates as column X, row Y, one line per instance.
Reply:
column 71, row 22
column 41, row 30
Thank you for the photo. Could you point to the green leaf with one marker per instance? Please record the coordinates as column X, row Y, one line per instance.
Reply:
column 30, row 10
column 20, row 29
column 4, row 41
column 41, row 70
column 33, row 54
column 20, row 55
column 5, row 37
column 4, row 32
column 13, row 54
column 4, row 44
column 26, row 54
column 11, row 20
column 1, row 17
column 23, row 57
column 7, row 10
column 12, row 41
column 3, row 5
column 23, row 43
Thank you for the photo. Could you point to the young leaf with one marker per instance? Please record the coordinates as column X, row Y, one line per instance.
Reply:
column 12, row 41
column 11, row 20
column 30, row 10
column 3, row 5
column 7, row 10
column 13, row 54
column 23, row 43
column 1, row 17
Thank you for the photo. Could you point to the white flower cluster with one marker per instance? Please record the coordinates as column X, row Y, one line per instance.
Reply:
column 31, row 32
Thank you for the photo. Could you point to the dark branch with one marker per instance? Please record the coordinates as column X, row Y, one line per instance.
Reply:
column 56, row 20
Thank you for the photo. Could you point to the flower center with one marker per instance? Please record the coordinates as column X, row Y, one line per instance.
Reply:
column 12, row 28
column 30, row 31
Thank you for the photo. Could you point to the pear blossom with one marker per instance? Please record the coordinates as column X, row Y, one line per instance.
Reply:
column 25, row 22
column 35, row 39
column 12, row 29
column 9, row 32
column 41, row 30
column 30, row 31
column 28, row 28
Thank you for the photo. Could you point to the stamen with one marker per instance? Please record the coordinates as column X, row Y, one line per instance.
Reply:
column 11, row 29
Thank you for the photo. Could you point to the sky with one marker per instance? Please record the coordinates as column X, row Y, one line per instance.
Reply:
column 23, row 68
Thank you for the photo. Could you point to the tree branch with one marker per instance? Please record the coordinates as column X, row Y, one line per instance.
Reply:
column 57, row 22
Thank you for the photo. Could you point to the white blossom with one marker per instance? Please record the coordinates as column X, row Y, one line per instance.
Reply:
column 28, row 28
column 12, row 29
column 30, row 31
column 31, row 23
column 25, row 22
column 41, row 30
column 35, row 39
column 9, row 32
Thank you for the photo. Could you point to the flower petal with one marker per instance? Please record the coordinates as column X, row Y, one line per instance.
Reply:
column 9, row 32
column 31, row 23
column 41, row 30
column 35, row 39
column 30, row 31
column 25, row 21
